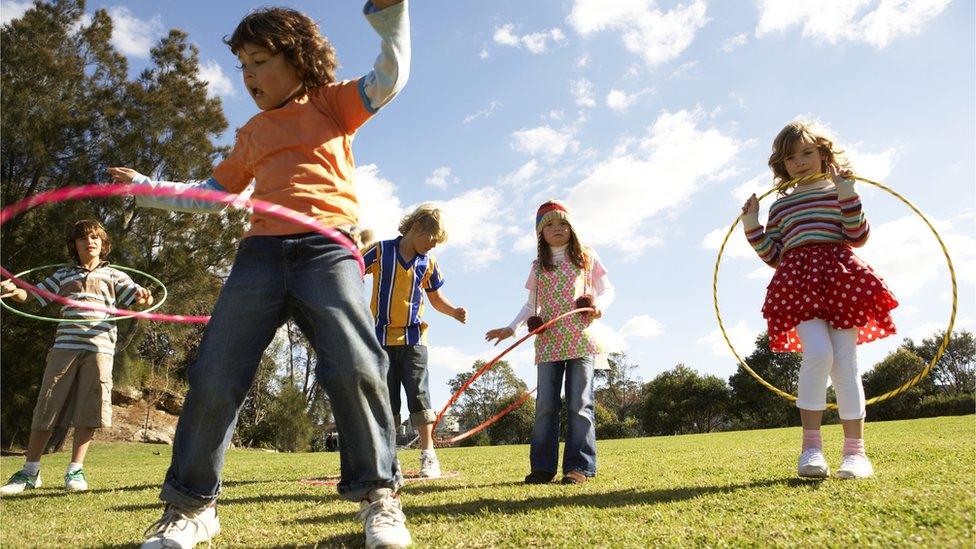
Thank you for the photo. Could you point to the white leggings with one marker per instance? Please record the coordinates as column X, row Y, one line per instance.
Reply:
column 827, row 351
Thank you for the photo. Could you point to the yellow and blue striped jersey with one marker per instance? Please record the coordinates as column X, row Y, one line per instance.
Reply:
column 397, row 301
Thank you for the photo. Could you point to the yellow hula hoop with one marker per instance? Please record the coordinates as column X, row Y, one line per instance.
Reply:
column 945, row 251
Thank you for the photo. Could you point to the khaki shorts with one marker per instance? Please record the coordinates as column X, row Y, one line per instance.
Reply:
column 77, row 390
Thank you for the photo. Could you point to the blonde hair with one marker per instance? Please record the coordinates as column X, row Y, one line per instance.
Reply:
column 803, row 131
column 429, row 218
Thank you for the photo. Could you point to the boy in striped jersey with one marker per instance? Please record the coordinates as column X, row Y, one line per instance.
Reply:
column 401, row 268
column 77, row 384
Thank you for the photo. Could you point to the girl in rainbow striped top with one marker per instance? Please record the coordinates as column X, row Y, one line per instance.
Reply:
column 823, row 300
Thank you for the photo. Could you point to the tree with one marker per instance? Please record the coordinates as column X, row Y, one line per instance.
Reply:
column 892, row 372
column 683, row 401
column 68, row 111
column 487, row 395
column 288, row 418
column 955, row 373
column 514, row 427
column 619, row 389
column 754, row 406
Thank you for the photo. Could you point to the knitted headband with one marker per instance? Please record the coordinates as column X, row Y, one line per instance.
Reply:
column 548, row 211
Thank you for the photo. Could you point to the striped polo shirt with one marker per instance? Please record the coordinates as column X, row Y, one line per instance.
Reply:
column 104, row 286
column 397, row 302
column 809, row 216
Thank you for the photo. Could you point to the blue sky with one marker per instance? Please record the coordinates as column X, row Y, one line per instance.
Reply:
column 654, row 121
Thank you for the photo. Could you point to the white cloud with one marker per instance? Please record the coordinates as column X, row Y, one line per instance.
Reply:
column 523, row 175
column 483, row 54
column 875, row 22
column 742, row 336
column 671, row 162
column 474, row 225
column 757, row 185
column 537, row 42
column 483, row 113
column 730, row 44
column 544, row 141
column 380, row 208
column 440, row 178
column 10, row 10
column 642, row 326
column 656, row 36
column 684, row 70
column 929, row 329
column 737, row 247
column 619, row 341
column 452, row 359
column 217, row 82
column 876, row 166
column 907, row 256
column 583, row 92
column 583, row 61
column 133, row 36
column 621, row 101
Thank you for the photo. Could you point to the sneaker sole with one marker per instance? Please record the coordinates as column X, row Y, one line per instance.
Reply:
column 851, row 476
column 813, row 472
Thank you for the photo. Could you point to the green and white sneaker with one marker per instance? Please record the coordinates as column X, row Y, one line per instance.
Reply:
column 75, row 482
column 19, row 482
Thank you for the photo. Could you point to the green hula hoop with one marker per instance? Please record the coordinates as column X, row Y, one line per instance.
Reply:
column 152, row 308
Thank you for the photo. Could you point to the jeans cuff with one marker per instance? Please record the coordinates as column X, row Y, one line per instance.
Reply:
column 176, row 496
column 423, row 417
column 359, row 491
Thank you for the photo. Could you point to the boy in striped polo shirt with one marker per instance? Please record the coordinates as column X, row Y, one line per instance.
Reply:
column 77, row 384
column 401, row 268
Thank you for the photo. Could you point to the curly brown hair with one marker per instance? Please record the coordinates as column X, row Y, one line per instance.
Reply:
column 82, row 229
column 294, row 34
column 801, row 131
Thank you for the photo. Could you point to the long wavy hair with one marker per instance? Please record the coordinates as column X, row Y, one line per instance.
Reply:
column 801, row 131
column 574, row 250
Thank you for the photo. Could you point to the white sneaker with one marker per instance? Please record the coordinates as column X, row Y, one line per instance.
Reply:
column 384, row 521
column 182, row 528
column 75, row 481
column 19, row 482
column 430, row 466
column 855, row 466
column 812, row 464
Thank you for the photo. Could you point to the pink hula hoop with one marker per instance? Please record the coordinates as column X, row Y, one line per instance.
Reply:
column 102, row 191
column 518, row 402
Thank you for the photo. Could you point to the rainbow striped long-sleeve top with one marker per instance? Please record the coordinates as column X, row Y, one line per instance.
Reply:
column 809, row 216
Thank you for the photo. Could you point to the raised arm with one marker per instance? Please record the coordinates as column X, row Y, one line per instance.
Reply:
column 173, row 203
column 854, row 223
column 391, row 69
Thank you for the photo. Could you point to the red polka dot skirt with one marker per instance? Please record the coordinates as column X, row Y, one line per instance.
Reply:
column 829, row 282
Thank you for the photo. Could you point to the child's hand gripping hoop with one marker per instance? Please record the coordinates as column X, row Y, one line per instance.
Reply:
column 945, row 252
column 49, row 296
column 101, row 191
column 518, row 402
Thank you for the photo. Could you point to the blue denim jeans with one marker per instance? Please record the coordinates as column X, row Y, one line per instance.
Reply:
column 408, row 367
column 317, row 282
column 580, row 451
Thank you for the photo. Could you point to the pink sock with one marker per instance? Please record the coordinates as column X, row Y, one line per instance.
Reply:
column 854, row 446
column 811, row 439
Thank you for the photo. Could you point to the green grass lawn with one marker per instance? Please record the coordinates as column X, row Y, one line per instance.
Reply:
column 719, row 489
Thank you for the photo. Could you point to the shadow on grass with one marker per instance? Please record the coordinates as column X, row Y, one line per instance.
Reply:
column 621, row 498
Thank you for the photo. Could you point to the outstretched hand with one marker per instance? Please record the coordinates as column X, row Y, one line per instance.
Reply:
column 499, row 334
column 123, row 175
